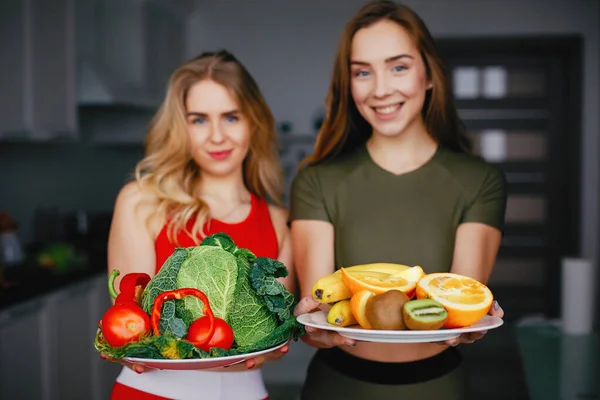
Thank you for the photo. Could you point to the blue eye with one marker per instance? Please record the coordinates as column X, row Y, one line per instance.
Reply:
column 399, row 68
column 232, row 118
column 199, row 120
column 361, row 73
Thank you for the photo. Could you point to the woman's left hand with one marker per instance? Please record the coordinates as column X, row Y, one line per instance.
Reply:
column 495, row 310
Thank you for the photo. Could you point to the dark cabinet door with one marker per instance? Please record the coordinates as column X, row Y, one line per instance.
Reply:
column 519, row 99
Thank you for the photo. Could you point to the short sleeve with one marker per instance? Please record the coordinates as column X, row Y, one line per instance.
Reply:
column 307, row 200
column 489, row 204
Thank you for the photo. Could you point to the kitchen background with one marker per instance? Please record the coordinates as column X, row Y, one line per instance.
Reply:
column 80, row 79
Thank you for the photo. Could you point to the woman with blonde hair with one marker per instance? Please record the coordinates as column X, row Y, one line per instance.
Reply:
column 391, row 180
column 211, row 165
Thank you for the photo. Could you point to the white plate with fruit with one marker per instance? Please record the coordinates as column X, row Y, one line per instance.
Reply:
column 319, row 320
column 393, row 303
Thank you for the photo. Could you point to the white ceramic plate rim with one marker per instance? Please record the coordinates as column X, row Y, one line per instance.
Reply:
column 486, row 323
column 235, row 358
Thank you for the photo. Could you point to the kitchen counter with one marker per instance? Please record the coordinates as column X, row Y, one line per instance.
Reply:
column 27, row 281
column 47, row 326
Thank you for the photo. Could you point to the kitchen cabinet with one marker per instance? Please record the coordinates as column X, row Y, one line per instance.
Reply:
column 126, row 54
column 37, row 60
column 166, row 42
column 127, row 51
column 74, row 329
column 46, row 346
column 22, row 352
column 111, row 69
column 104, row 373
column 59, row 56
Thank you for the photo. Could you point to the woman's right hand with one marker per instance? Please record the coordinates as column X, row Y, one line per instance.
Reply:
column 319, row 338
column 134, row 367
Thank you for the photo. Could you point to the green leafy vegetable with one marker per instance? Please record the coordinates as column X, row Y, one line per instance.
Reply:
column 242, row 289
column 263, row 276
column 214, row 271
column 250, row 318
column 166, row 279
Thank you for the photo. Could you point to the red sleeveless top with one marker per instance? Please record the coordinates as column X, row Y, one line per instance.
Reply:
column 256, row 233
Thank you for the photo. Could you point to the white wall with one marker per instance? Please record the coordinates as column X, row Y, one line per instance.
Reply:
column 289, row 46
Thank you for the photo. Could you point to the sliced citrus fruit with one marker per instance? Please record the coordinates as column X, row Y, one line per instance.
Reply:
column 465, row 299
column 412, row 274
column 387, row 268
column 377, row 282
column 358, row 305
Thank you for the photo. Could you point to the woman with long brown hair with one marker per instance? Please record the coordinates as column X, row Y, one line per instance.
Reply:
column 391, row 180
column 211, row 165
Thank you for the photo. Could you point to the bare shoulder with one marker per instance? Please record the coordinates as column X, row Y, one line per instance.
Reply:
column 134, row 205
column 130, row 194
column 131, row 198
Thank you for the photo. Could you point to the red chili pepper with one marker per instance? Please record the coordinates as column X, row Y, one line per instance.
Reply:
column 127, row 287
column 178, row 294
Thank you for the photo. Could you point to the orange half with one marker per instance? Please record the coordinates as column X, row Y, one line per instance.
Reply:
column 358, row 306
column 466, row 299
column 377, row 283
column 412, row 274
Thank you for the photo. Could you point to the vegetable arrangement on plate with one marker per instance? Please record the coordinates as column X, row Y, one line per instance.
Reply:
column 211, row 300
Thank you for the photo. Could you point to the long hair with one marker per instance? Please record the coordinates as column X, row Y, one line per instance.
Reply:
column 168, row 174
column 344, row 128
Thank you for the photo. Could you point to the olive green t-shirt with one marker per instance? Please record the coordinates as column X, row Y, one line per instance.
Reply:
column 410, row 218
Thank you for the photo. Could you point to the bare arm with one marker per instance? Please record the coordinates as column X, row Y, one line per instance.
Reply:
column 478, row 237
column 313, row 248
column 130, row 242
column 279, row 219
column 475, row 250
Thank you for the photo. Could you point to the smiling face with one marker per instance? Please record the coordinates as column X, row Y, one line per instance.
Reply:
column 219, row 134
column 388, row 78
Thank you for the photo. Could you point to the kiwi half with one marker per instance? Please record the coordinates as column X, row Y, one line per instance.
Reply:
column 384, row 311
column 424, row 314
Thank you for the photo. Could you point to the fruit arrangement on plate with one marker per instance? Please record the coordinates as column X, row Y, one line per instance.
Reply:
column 382, row 296
column 213, row 300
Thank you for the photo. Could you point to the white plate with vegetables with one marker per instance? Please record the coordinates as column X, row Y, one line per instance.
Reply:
column 209, row 306
column 318, row 320
column 199, row 363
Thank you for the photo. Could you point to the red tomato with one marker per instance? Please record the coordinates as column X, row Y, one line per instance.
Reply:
column 222, row 338
column 124, row 323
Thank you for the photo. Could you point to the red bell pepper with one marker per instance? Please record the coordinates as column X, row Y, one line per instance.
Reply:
column 128, row 288
column 125, row 321
column 178, row 294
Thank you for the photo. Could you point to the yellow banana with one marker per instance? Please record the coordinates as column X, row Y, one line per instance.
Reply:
column 330, row 289
column 341, row 314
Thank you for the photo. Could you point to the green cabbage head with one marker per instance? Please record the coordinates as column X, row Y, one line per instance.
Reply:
column 241, row 288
